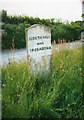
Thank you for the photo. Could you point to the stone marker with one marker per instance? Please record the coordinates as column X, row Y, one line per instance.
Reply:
column 38, row 44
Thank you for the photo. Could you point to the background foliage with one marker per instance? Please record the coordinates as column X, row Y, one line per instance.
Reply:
column 14, row 29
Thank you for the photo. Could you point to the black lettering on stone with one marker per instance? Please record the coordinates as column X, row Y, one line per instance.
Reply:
column 49, row 47
column 33, row 38
column 32, row 50
column 36, row 49
column 39, row 37
column 40, row 43
column 30, row 38
column 40, row 48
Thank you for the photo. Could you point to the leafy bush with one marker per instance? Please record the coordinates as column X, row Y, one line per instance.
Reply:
column 14, row 29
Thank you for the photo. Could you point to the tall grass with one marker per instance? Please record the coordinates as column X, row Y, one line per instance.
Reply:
column 55, row 95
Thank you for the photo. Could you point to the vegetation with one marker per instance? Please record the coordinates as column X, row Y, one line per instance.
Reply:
column 55, row 95
column 14, row 29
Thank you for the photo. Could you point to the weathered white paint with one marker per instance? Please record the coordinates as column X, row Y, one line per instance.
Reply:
column 38, row 43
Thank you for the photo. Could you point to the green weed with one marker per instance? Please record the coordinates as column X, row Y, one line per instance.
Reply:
column 52, row 95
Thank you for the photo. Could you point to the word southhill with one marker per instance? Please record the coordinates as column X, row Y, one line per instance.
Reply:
column 39, row 37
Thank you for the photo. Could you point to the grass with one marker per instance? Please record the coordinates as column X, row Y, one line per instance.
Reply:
column 57, row 94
